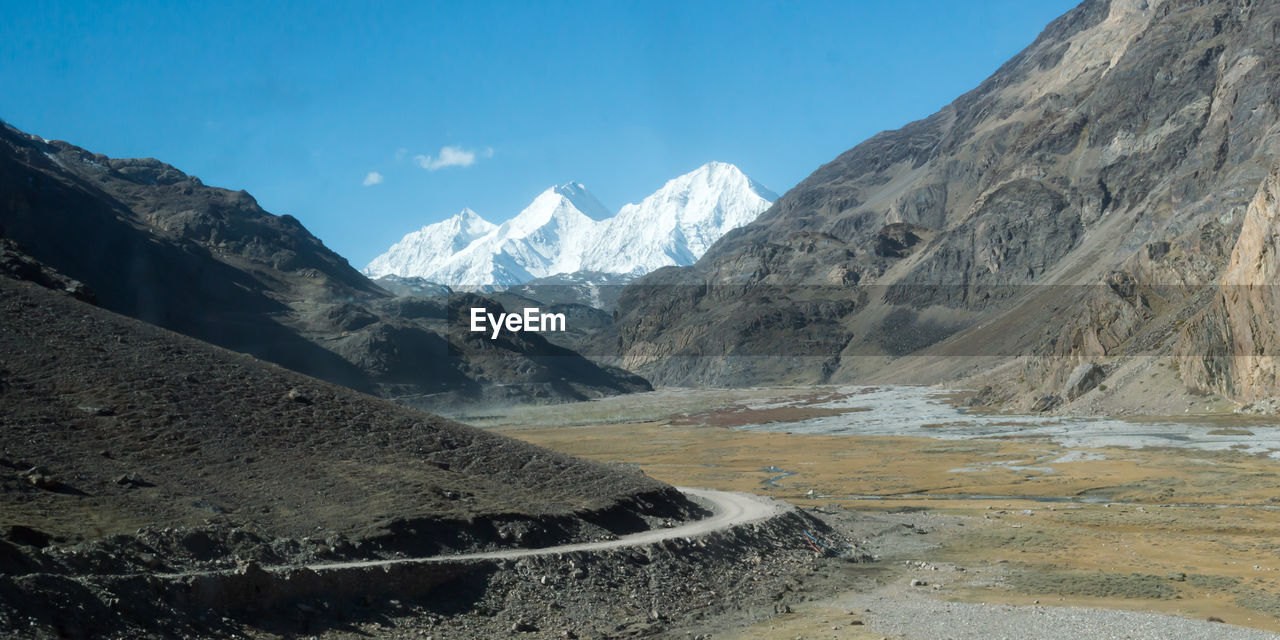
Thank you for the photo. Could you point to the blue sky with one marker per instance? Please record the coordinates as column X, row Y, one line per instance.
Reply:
column 298, row 102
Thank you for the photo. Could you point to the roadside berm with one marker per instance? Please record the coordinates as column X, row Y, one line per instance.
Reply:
column 613, row 591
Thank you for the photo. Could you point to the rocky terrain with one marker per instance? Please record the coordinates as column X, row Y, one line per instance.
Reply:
column 127, row 450
column 157, row 244
column 158, row 485
column 413, row 287
column 155, row 484
column 1018, row 525
column 589, row 288
column 1080, row 205
column 1232, row 346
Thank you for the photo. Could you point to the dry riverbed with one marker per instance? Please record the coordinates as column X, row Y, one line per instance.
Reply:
column 1041, row 513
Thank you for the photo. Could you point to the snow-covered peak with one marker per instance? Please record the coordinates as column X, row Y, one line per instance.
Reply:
column 583, row 200
column 471, row 218
column 566, row 229
column 718, row 181
column 463, row 227
column 680, row 221
column 565, row 205
column 722, row 173
column 423, row 250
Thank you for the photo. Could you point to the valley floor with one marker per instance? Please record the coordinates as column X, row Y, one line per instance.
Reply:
column 1170, row 516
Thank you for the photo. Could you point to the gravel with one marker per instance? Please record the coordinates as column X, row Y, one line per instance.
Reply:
column 908, row 616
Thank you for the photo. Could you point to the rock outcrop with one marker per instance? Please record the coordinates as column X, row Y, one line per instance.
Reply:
column 1233, row 347
column 1083, row 379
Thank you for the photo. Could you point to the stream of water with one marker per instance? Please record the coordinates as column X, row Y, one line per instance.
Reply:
column 923, row 412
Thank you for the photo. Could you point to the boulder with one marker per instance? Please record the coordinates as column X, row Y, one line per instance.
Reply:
column 1083, row 378
column 131, row 479
column 1045, row 403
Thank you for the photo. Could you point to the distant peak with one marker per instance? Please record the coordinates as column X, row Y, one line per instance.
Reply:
column 469, row 215
column 467, row 219
column 570, row 189
column 721, row 173
column 565, row 229
column 716, row 165
column 719, row 169
column 582, row 199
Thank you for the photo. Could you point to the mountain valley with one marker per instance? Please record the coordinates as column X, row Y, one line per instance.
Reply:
column 1006, row 371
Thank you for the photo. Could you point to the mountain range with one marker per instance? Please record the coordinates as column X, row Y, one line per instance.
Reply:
column 1084, row 203
column 1106, row 193
column 566, row 230
column 149, row 241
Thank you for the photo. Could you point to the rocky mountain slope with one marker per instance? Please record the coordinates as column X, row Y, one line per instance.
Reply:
column 157, row 244
column 127, row 449
column 210, row 432
column 595, row 289
column 1080, row 204
column 1232, row 346
column 567, row 231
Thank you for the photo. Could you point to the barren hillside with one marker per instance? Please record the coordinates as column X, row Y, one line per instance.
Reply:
column 1079, row 205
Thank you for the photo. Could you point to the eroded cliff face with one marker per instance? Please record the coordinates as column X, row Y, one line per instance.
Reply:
column 1232, row 347
column 1079, row 205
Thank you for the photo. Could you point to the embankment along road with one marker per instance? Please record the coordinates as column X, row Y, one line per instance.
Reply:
column 728, row 509
column 257, row 586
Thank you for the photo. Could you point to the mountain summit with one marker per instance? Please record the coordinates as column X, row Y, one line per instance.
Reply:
column 566, row 230
column 679, row 222
column 431, row 244
column 576, row 194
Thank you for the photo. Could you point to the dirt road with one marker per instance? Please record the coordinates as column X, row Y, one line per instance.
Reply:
column 728, row 509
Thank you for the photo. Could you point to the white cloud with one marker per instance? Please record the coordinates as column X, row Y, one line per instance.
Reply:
column 373, row 178
column 451, row 157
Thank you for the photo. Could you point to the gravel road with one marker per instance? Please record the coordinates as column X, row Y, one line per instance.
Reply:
column 728, row 509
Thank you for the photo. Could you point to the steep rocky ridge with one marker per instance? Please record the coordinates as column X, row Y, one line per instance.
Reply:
column 1113, row 159
column 157, row 244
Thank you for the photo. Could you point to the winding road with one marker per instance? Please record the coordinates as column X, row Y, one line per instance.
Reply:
column 729, row 509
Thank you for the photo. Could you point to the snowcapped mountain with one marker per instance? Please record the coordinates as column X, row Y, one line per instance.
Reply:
column 426, row 249
column 566, row 230
column 528, row 246
column 679, row 222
